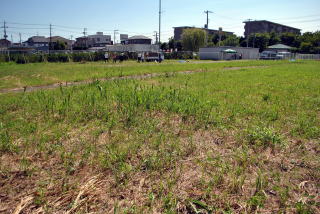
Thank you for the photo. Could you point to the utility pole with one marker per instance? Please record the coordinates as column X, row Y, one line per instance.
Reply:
column 160, row 12
column 156, row 36
column 84, row 35
column 20, row 38
column 207, row 12
column 220, row 32
column 114, row 36
column 207, row 25
column 248, row 29
column 5, row 30
column 71, row 44
column 11, row 39
column 50, row 39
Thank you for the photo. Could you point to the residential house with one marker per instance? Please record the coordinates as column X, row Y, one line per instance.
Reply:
column 55, row 39
column 99, row 40
column 139, row 40
column 96, row 40
column 40, row 43
column 4, row 43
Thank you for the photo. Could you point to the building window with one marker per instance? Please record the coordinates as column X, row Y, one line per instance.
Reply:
column 98, row 39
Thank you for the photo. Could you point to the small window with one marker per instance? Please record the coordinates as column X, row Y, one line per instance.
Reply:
column 98, row 39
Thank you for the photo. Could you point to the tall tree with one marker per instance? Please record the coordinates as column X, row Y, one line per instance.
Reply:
column 259, row 40
column 290, row 39
column 193, row 39
column 231, row 40
column 274, row 38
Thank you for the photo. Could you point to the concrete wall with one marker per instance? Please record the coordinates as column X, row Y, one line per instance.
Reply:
column 216, row 53
column 132, row 48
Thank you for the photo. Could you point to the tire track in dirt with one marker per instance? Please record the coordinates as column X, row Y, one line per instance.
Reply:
column 142, row 76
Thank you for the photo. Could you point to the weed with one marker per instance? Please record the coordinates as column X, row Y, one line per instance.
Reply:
column 264, row 137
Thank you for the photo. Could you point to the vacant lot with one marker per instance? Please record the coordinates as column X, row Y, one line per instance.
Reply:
column 16, row 75
column 236, row 140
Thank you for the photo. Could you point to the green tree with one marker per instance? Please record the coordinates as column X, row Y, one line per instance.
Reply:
column 171, row 43
column 164, row 46
column 59, row 45
column 193, row 39
column 175, row 45
column 259, row 40
column 290, row 39
column 306, row 47
column 274, row 39
column 231, row 40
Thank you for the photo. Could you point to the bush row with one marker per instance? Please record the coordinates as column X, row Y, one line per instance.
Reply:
column 57, row 57
column 77, row 57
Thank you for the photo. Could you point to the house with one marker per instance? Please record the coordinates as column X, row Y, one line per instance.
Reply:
column 4, row 43
column 96, row 40
column 264, row 26
column 178, row 31
column 81, row 42
column 37, row 41
column 55, row 39
column 99, row 40
column 279, row 48
column 124, row 38
column 139, row 40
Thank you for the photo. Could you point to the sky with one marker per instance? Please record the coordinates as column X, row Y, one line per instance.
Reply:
column 140, row 17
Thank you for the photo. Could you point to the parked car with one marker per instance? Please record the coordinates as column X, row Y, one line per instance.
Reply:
column 283, row 55
column 151, row 57
column 268, row 55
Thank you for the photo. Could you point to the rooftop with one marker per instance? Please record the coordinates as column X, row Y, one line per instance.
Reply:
column 41, row 39
column 279, row 46
column 139, row 37
column 271, row 23
column 202, row 28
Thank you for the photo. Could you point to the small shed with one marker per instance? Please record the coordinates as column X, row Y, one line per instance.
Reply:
column 279, row 48
column 228, row 53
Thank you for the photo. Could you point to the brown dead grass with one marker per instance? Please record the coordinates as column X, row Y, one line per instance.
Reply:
column 50, row 189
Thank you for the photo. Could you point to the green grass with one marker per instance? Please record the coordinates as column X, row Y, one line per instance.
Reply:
column 228, row 141
column 16, row 75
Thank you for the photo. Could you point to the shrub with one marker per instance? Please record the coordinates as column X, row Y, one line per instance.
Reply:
column 78, row 57
column 20, row 59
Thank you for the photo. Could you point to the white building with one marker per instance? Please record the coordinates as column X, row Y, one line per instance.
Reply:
column 99, row 40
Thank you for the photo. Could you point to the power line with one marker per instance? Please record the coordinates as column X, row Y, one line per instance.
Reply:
column 28, row 28
column 17, row 23
column 305, row 21
column 297, row 17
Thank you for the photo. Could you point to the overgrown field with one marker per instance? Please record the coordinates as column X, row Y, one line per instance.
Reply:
column 16, row 75
column 239, row 140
